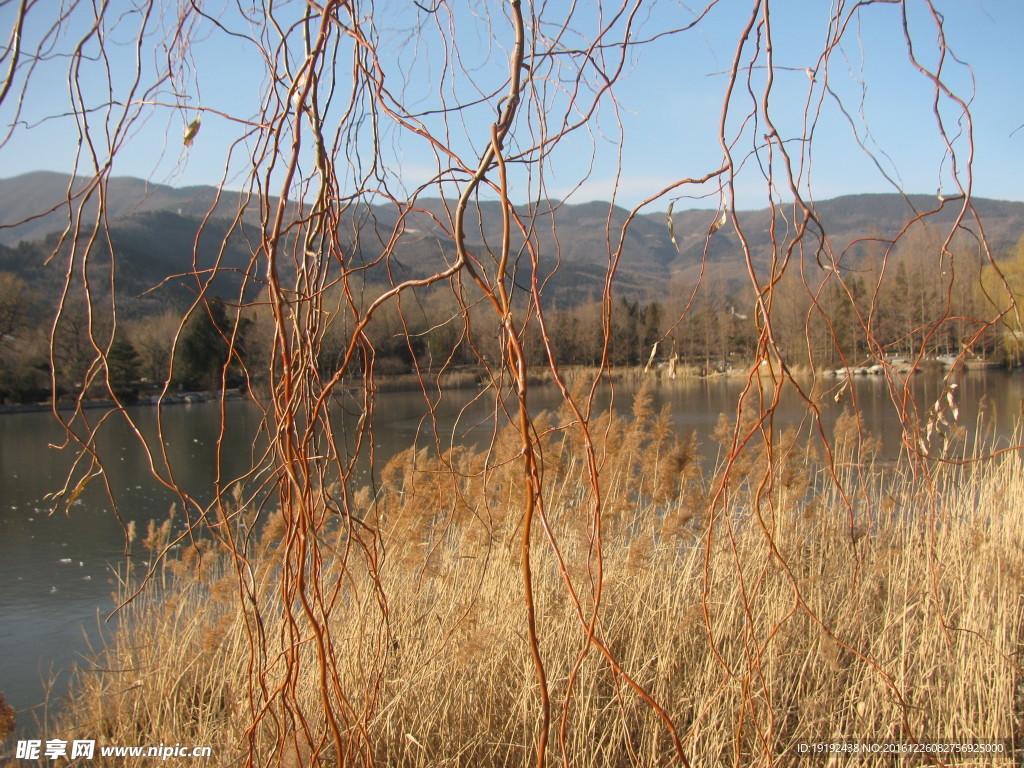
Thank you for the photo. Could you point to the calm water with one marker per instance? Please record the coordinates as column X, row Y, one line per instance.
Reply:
column 56, row 569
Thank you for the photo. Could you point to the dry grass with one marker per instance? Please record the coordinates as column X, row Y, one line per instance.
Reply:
column 7, row 722
column 792, row 614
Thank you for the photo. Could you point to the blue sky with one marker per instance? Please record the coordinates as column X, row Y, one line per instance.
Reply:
column 664, row 119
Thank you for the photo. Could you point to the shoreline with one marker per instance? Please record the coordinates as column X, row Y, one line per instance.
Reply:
column 467, row 377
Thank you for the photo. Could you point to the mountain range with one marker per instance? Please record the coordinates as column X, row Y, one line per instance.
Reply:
column 153, row 231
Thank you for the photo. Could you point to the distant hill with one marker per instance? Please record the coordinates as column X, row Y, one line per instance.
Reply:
column 153, row 229
column 28, row 196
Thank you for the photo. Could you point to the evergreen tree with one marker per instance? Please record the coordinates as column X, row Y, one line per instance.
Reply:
column 122, row 366
column 203, row 350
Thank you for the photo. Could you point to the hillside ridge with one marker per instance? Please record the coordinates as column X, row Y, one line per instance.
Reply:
column 155, row 230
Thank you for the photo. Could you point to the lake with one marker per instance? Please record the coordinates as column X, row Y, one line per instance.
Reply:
column 56, row 569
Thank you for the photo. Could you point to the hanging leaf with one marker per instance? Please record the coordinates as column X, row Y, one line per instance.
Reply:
column 191, row 131
column 671, row 227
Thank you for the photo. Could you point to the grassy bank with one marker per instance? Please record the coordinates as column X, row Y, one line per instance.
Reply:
column 759, row 609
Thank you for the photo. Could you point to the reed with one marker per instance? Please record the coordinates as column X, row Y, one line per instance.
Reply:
column 785, row 601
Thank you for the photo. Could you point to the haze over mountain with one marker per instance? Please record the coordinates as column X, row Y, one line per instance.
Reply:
column 153, row 229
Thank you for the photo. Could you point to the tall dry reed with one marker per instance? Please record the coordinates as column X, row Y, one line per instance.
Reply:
column 761, row 609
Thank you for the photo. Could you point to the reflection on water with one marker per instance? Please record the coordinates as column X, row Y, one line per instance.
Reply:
column 56, row 570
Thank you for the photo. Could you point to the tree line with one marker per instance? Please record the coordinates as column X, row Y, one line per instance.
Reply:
column 910, row 306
